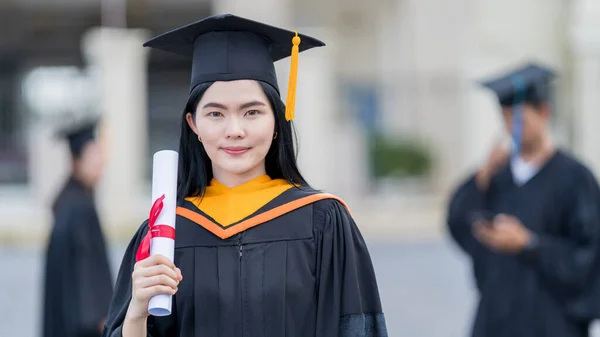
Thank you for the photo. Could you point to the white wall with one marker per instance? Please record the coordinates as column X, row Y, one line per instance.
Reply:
column 585, row 33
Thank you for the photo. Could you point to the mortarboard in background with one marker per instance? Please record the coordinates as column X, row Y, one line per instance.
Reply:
column 78, row 135
column 530, row 83
column 228, row 47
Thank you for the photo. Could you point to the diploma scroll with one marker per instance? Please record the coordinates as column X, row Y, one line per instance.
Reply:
column 162, row 219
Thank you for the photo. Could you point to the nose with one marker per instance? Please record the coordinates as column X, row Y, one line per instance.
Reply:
column 235, row 128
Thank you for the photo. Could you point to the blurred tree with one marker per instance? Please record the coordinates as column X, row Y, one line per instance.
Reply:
column 399, row 157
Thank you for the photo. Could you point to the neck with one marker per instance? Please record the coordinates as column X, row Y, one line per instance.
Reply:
column 235, row 179
column 77, row 176
column 538, row 152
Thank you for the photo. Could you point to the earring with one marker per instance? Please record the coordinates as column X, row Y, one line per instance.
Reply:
column 275, row 136
column 199, row 139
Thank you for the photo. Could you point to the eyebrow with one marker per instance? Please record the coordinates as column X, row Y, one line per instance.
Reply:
column 243, row 106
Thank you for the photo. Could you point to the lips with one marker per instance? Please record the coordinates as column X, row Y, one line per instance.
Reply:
column 235, row 150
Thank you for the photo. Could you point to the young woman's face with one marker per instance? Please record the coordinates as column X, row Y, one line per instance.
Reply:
column 90, row 164
column 236, row 125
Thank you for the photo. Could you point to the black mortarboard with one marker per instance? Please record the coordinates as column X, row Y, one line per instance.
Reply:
column 227, row 47
column 529, row 83
column 78, row 135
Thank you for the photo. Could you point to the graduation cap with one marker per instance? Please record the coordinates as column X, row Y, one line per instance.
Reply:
column 228, row 47
column 78, row 135
column 528, row 84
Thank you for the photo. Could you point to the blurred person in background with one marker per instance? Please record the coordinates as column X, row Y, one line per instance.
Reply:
column 258, row 252
column 78, row 281
column 530, row 222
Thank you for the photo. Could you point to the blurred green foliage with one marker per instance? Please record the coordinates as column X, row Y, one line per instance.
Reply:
column 399, row 157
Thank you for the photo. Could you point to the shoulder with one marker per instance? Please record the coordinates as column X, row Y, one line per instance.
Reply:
column 461, row 189
column 70, row 211
column 73, row 202
column 72, row 220
column 141, row 231
column 324, row 204
column 135, row 242
column 331, row 211
column 575, row 182
column 466, row 180
column 329, row 203
column 304, row 195
column 567, row 160
column 575, row 169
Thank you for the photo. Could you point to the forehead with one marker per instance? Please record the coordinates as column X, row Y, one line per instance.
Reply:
column 234, row 92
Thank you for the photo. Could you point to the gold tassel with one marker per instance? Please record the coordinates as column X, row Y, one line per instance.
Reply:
column 291, row 97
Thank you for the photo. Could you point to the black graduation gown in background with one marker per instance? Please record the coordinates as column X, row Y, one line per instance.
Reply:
column 551, row 292
column 303, row 273
column 78, row 282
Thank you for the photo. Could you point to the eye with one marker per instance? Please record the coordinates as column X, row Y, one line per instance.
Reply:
column 252, row 113
column 214, row 114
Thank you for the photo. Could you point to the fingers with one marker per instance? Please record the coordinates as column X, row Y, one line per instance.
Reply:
column 491, row 236
column 507, row 223
column 500, row 153
column 155, row 270
column 152, row 276
column 147, row 293
column 162, row 280
column 502, row 218
column 484, row 232
column 155, row 260
column 481, row 225
column 153, row 280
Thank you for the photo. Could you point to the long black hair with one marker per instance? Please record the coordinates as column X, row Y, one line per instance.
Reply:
column 195, row 168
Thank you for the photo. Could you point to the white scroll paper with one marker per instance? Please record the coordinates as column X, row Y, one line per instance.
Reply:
column 164, row 182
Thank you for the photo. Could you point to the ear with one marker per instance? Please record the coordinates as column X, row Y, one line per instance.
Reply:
column 190, row 120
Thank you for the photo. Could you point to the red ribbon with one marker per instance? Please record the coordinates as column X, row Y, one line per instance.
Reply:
column 154, row 230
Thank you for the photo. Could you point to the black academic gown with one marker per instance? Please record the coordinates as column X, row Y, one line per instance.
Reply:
column 301, row 272
column 78, row 282
column 549, row 292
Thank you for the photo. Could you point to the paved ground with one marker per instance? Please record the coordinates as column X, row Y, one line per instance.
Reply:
column 424, row 284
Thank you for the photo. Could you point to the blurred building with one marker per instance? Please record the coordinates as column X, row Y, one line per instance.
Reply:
column 392, row 69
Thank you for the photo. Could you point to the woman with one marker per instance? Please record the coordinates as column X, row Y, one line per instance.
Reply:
column 258, row 252
column 77, row 269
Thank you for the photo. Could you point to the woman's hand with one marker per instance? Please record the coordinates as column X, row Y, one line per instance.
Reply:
column 151, row 276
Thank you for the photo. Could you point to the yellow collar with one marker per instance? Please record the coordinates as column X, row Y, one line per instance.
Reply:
column 228, row 205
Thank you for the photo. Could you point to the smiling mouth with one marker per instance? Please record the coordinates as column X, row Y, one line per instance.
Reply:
column 235, row 151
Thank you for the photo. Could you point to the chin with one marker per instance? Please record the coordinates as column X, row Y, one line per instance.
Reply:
column 238, row 168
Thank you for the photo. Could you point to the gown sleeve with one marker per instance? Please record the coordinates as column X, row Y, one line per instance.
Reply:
column 466, row 200
column 348, row 296
column 156, row 326
column 571, row 264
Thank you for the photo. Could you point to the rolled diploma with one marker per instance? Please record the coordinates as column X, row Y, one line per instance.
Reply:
column 164, row 181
